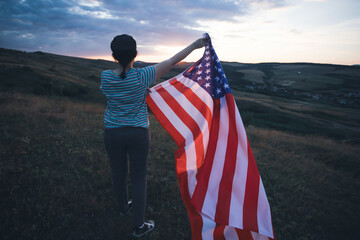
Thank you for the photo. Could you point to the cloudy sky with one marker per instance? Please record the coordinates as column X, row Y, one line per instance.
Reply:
column 322, row 31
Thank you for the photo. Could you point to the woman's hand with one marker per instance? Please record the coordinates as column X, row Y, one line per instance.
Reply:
column 164, row 67
column 201, row 42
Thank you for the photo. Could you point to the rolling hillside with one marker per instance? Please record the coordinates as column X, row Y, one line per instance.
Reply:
column 55, row 177
column 301, row 98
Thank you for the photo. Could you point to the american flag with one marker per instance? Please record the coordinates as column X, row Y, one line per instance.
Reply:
column 217, row 174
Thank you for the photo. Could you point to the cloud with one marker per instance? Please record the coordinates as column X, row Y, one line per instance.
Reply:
column 295, row 31
column 87, row 26
column 267, row 4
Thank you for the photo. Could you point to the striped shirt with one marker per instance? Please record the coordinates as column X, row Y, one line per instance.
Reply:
column 126, row 105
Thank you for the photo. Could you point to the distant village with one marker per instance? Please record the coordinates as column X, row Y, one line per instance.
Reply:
column 340, row 97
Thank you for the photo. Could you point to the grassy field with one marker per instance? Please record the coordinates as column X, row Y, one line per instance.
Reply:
column 54, row 174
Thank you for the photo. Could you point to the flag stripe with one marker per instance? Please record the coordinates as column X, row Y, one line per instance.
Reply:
column 189, row 122
column 217, row 174
column 219, row 232
column 180, row 155
column 198, row 108
column 208, row 228
column 230, row 233
column 243, row 235
column 196, row 221
column 264, row 214
column 184, row 141
column 204, row 172
column 194, row 99
column 225, row 189
column 211, row 197
column 251, row 194
column 257, row 236
column 239, row 182
column 164, row 121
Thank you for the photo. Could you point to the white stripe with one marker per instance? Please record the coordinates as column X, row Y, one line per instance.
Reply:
column 195, row 114
column 186, row 133
column 198, row 91
column 240, row 175
column 191, row 164
column 263, row 213
column 191, row 161
column 209, row 225
column 196, row 88
column 230, row 233
column 211, row 197
column 257, row 236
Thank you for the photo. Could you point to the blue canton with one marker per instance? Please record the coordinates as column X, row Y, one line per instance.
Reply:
column 209, row 74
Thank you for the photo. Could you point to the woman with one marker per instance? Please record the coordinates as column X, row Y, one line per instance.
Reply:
column 126, row 124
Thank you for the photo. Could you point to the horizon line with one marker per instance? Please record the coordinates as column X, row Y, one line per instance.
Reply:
column 186, row 62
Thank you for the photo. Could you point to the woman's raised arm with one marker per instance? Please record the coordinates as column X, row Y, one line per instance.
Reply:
column 164, row 67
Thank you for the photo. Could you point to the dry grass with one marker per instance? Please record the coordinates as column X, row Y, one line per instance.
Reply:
column 312, row 184
column 54, row 173
column 55, row 182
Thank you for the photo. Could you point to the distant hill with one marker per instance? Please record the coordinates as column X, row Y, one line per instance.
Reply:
column 305, row 98
column 45, row 73
column 49, row 74
column 338, row 84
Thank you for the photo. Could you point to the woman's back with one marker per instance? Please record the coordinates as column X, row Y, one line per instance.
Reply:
column 126, row 97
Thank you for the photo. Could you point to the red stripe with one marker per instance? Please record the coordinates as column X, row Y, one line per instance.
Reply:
column 225, row 187
column 164, row 121
column 243, row 235
column 194, row 99
column 180, row 156
column 194, row 217
column 218, row 233
column 188, row 121
column 204, row 172
column 251, row 194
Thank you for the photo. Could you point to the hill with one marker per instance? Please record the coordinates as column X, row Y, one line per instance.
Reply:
column 302, row 98
column 54, row 174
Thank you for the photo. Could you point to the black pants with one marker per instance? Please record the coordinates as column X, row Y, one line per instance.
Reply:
column 121, row 144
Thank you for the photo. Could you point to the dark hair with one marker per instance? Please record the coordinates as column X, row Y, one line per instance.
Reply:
column 124, row 58
column 124, row 50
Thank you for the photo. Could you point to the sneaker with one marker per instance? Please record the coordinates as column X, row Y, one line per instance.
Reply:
column 122, row 214
column 144, row 229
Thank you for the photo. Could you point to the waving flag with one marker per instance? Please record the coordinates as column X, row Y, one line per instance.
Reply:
column 217, row 174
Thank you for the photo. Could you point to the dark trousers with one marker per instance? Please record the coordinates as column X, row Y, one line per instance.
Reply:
column 123, row 144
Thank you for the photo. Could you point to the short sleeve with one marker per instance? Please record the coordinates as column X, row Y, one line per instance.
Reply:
column 104, row 86
column 148, row 75
column 101, row 82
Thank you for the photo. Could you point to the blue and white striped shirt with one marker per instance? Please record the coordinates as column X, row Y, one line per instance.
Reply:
column 126, row 105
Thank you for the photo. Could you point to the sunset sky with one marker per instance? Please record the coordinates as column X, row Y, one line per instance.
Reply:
column 249, row 31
